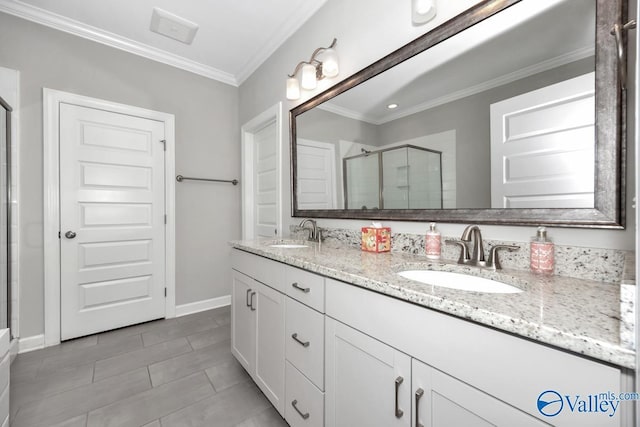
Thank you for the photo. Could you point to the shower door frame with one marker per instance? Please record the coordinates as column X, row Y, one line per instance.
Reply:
column 381, row 172
column 8, row 169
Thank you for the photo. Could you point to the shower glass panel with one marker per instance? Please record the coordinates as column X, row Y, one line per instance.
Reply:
column 5, row 213
column 362, row 182
column 403, row 177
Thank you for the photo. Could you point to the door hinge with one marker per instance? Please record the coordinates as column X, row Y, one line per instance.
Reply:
column 165, row 219
column 164, row 144
column 165, row 292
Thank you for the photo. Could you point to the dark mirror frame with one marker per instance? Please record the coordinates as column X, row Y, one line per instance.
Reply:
column 610, row 120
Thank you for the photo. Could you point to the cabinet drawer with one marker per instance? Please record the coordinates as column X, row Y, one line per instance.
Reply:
column 259, row 268
column 305, row 340
column 304, row 404
column 308, row 288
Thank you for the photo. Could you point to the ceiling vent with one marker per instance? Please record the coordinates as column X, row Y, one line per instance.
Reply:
column 173, row 26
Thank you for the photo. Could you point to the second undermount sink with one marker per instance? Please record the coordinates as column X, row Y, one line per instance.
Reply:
column 463, row 282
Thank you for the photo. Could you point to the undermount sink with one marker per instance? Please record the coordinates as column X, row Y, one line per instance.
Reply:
column 463, row 282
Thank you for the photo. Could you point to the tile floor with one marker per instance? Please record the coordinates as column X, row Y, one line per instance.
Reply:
column 175, row 372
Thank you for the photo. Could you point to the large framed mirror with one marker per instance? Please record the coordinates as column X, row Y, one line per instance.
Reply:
column 512, row 112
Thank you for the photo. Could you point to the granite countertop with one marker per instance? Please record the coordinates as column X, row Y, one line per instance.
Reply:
column 582, row 316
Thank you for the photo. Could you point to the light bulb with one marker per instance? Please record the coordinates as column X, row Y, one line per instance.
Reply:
column 423, row 11
column 330, row 67
column 308, row 77
column 293, row 89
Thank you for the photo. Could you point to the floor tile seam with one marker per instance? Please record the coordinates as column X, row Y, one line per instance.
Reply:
column 115, row 339
column 86, row 414
column 166, row 415
column 179, row 334
column 93, row 409
column 190, row 404
column 218, row 362
column 52, row 349
column 54, row 393
column 146, row 349
column 102, row 357
column 43, row 377
column 144, row 366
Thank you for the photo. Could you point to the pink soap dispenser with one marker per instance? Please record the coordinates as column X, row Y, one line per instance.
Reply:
column 433, row 244
column 542, row 251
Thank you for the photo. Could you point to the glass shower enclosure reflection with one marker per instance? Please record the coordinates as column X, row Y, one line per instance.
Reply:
column 402, row 177
column 5, row 213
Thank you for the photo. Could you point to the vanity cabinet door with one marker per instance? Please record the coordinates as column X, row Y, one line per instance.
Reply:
column 367, row 382
column 440, row 400
column 243, row 320
column 269, row 327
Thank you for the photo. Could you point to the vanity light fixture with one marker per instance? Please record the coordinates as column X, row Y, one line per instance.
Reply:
column 422, row 11
column 313, row 70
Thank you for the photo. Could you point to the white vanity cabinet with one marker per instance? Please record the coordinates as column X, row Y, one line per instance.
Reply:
column 368, row 383
column 257, row 333
column 440, row 400
column 327, row 353
column 472, row 373
column 278, row 337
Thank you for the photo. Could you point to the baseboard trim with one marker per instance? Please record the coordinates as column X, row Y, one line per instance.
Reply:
column 27, row 344
column 198, row 306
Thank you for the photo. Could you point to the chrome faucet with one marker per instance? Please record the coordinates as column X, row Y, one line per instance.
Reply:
column 312, row 227
column 469, row 233
column 472, row 234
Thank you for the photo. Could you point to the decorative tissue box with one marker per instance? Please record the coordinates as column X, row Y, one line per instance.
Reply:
column 376, row 239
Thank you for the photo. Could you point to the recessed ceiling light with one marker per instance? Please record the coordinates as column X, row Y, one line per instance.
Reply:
column 392, row 106
column 173, row 26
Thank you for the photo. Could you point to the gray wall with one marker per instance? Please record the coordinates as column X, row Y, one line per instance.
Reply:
column 207, row 135
column 321, row 125
column 357, row 25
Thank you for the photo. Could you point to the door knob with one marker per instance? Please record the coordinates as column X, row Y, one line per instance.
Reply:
column 69, row 234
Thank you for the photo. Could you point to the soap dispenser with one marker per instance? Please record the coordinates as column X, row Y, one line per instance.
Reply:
column 433, row 245
column 542, row 253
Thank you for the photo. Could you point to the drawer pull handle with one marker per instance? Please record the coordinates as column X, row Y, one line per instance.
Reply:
column 419, row 394
column 247, row 299
column 251, row 301
column 294, row 403
column 300, row 288
column 305, row 344
column 399, row 412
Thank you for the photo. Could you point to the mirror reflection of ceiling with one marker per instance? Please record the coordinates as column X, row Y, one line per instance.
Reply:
column 459, row 67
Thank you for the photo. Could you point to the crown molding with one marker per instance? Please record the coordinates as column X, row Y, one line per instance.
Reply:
column 71, row 26
column 472, row 90
column 305, row 11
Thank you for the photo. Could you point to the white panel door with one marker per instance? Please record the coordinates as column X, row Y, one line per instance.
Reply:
column 542, row 147
column 112, row 244
column 265, row 185
column 316, row 175
column 367, row 382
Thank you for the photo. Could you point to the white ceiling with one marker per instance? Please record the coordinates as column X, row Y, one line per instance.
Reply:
column 234, row 37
